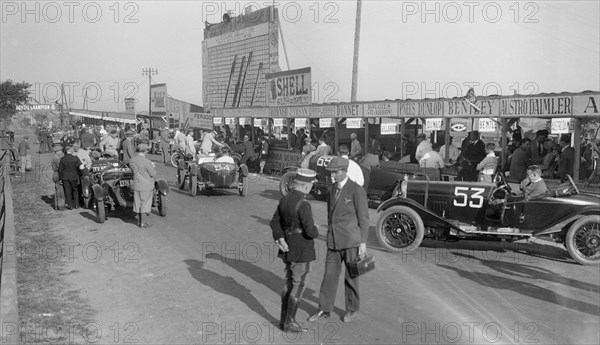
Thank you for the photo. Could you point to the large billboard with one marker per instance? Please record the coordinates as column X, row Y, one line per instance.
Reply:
column 236, row 56
column 158, row 103
column 289, row 88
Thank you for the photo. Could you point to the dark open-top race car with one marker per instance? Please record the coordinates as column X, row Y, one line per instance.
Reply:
column 109, row 185
column 211, row 173
column 487, row 211
column 382, row 179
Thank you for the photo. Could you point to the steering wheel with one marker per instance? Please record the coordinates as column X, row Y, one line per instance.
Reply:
column 500, row 181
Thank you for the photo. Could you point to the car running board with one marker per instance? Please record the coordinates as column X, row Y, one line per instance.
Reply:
column 508, row 233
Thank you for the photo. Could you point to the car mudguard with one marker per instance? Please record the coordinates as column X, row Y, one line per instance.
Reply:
column 162, row 186
column 565, row 223
column 85, row 186
column 194, row 169
column 290, row 168
column 429, row 218
column 98, row 192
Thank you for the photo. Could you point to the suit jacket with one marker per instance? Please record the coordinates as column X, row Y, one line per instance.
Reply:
column 293, row 212
column 518, row 164
column 164, row 139
column 566, row 163
column 23, row 148
column 537, row 158
column 128, row 150
column 348, row 217
column 87, row 140
column 143, row 173
column 68, row 168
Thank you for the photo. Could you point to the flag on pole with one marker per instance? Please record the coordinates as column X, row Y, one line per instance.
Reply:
column 472, row 99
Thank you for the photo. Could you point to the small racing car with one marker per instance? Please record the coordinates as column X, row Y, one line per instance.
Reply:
column 382, row 180
column 489, row 211
column 110, row 186
column 207, row 173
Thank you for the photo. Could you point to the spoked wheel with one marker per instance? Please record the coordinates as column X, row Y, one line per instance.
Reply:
column 243, row 187
column 286, row 183
column 175, row 158
column 583, row 240
column 400, row 229
column 100, row 211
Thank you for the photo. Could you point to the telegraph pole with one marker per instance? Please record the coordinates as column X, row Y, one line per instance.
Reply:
column 149, row 72
column 356, row 49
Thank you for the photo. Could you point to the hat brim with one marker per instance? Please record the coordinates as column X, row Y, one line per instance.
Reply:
column 305, row 179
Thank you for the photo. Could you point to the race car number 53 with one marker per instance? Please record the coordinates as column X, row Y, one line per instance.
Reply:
column 468, row 196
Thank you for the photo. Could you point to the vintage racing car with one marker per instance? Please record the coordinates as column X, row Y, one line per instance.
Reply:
column 111, row 187
column 210, row 174
column 382, row 180
column 489, row 211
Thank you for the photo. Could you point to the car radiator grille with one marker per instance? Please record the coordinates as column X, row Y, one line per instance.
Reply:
column 439, row 207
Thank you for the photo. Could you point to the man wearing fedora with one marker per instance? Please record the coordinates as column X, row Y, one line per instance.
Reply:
column 143, row 184
column 294, row 232
column 69, row 173
column 348, row 228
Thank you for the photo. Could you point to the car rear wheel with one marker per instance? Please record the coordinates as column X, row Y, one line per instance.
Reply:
column 286, row 183
column 193, row 184
column 175, row 158
column 162, row 205
column 583, row 240
column 243, row 187
column 100, row 211
column 400, row 229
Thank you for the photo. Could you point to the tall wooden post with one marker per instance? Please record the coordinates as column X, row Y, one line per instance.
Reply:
column 356, row 50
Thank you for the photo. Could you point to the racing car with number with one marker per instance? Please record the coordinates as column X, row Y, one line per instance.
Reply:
column 110, row 187
column 489, row 211
column 382, row 179
column 207, row 173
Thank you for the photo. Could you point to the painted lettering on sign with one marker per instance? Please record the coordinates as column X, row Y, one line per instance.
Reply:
column 421, row 108
column 349, row 110
column 454, row 108
column 289, row 87
column 536, row 106
column 380, row 109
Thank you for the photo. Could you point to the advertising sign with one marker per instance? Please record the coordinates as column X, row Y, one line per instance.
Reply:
column 433, row 124
column 230, row 121
column 260, row 122
column 299, row 123
column 200, row 120
column 245, row 121
column 354, row 123
column 421, row 109
column 488, row 125
column 159, row 99
column 327, row 122
column 217, row 121
column 536, row 106
column 289, row 88
column 380, row 109
column 389, row 128
column 586, row 105
column 561, row 126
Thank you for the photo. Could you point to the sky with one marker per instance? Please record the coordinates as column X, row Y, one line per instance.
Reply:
column 408, row 49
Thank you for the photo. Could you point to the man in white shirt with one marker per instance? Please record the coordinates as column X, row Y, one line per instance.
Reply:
column 180, row 139
column 453, row 152
column 354, row 171
column 208, row 141
column 432, row 159
column 224, row 157
column 423, row 146
column 190, row 148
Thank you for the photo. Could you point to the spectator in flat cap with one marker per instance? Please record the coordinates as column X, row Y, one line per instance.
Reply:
column 294, row 232
column 348, row 228
column 143, row 184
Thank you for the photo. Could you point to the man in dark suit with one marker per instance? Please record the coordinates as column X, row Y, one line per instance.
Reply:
column 143, row 183
column 537, row 149
column 128, row 150
column 472, row 153
column 68, row 174
column 348, row 227
column 567, row 157
column 293, row 231
column 519, row 162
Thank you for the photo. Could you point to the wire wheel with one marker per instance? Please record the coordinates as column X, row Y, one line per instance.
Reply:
column 583, row 240
column 400, row 228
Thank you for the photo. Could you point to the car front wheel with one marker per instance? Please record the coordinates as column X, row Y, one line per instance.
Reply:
column 583, row 240
column 286, row 183
column 400, row 229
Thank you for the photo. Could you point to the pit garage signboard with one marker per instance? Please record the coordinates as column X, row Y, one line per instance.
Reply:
column 488, row 125
column 289, row 88
column 561, row 126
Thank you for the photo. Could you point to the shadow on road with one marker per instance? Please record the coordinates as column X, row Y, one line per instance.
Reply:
column 227, row 285
column 273, row 281
column 526, row 288
column 273, row 194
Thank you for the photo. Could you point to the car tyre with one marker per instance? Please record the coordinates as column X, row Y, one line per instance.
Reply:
column 400, row 229
column 583, row 240
column 193, row 184
column 100, row 211
column 285, row 185
column 243, row 188
column 162, row 205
